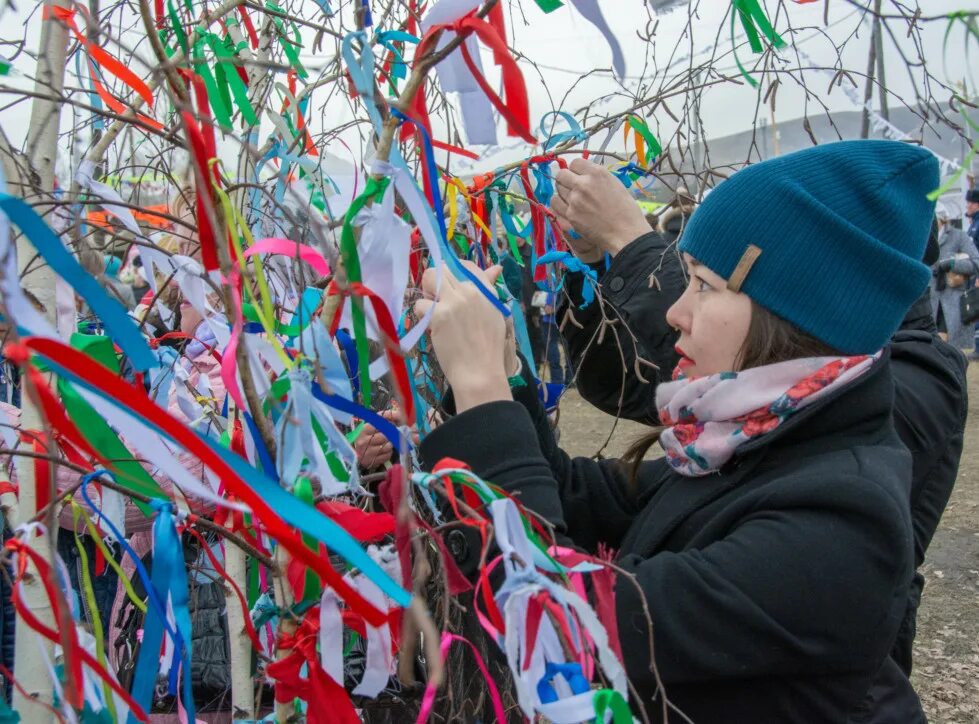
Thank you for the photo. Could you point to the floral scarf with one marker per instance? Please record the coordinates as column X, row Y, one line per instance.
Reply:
column 709, row 418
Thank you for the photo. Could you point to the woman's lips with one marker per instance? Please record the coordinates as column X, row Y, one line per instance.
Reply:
column 685, row 361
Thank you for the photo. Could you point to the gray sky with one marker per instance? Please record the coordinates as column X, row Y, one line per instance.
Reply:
column 565, row 47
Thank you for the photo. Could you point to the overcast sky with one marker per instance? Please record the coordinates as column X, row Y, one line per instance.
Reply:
column 565, row 47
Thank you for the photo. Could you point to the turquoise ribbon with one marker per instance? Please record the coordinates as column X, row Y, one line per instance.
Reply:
column 169, row 582
column 553, row 139
column 573, row 264
column 117, row 322
column 295, row 513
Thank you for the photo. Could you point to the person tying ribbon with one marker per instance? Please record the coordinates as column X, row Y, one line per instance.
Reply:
column 772, row 542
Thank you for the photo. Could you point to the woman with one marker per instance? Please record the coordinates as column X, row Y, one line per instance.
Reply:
column 772, row 543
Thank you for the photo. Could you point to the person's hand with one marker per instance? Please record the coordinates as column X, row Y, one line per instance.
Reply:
column 598, row 207
column 582, row 247
column 469, row 336
column 372, row 448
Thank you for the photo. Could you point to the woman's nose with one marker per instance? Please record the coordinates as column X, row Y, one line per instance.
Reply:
column 676, row 315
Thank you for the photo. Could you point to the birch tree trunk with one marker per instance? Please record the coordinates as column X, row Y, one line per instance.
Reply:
column 42, row 150
column 242, row 686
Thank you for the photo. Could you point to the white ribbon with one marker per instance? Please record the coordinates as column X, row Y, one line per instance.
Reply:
column 384, row 249
column 420, row 211
column 454, row 75
column 331, row 635
column 150, row 445
column 378, row 664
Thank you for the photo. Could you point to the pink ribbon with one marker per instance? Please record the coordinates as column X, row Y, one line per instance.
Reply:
column 285, row 247
column 430, row 690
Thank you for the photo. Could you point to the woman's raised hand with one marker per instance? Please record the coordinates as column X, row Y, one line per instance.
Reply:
column 469, row 336
column 596, row 205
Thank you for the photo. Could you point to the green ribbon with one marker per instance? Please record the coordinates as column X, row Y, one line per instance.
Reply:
column 218, row 107
column 313, row 588
column 653, row 147
column 130, row 473
column 971, row 28
column 753, row 20
column 178, row 28
column 228, row 73
column 611, row 700
column 549, row 6
column 280, row 388
column 288, row 46
column 966, row 162
column 351, row 262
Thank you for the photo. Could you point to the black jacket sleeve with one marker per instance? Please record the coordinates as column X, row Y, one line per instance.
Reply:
column 641, row 283
column 931, row 402
column 511, row 445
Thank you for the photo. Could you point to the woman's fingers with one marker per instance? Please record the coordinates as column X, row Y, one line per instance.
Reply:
column 422, row 306
column 565, row 181
column 493, row 273
column 429, row 283
column 559, row 206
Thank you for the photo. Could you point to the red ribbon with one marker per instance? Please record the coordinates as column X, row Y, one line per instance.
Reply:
column 76, row 654
column 117, row 68
column 132, row 399
column 481, row 524
column 390, row 493
column 536, row 219
column 329, row 702
column 389, row 334
column 203, row 148
column 200, row 157
column 249, row 26
column 515, row 108
column 114, row 103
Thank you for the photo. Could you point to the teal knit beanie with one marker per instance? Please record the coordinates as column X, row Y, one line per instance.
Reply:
column 829, row 238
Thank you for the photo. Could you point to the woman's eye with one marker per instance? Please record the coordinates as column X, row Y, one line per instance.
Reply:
column 702, row 286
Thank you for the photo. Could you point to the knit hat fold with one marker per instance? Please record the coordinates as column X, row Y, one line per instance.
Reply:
column 841, row 228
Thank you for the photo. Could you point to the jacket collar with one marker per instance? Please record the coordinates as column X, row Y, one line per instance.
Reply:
column 868, row 404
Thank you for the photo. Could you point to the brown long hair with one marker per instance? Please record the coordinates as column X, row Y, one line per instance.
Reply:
column 770, row 339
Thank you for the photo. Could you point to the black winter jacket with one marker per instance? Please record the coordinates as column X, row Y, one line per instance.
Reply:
column 930, row 404
column 776, row 586
column 642, row 282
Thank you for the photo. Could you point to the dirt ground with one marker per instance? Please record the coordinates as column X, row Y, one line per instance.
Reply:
column 946, row 663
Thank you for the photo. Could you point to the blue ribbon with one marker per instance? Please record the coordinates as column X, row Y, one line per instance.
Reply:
column 362, row 74
column 154, row 626
column 624, row 173
column 570, row 672
column 573, row 264
column 385, row 427
column 95, row 99
column 49, row 246
column 353, row 361
column 262, row 452
column 459, row 270
column 387, row 38
column 169, row 581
